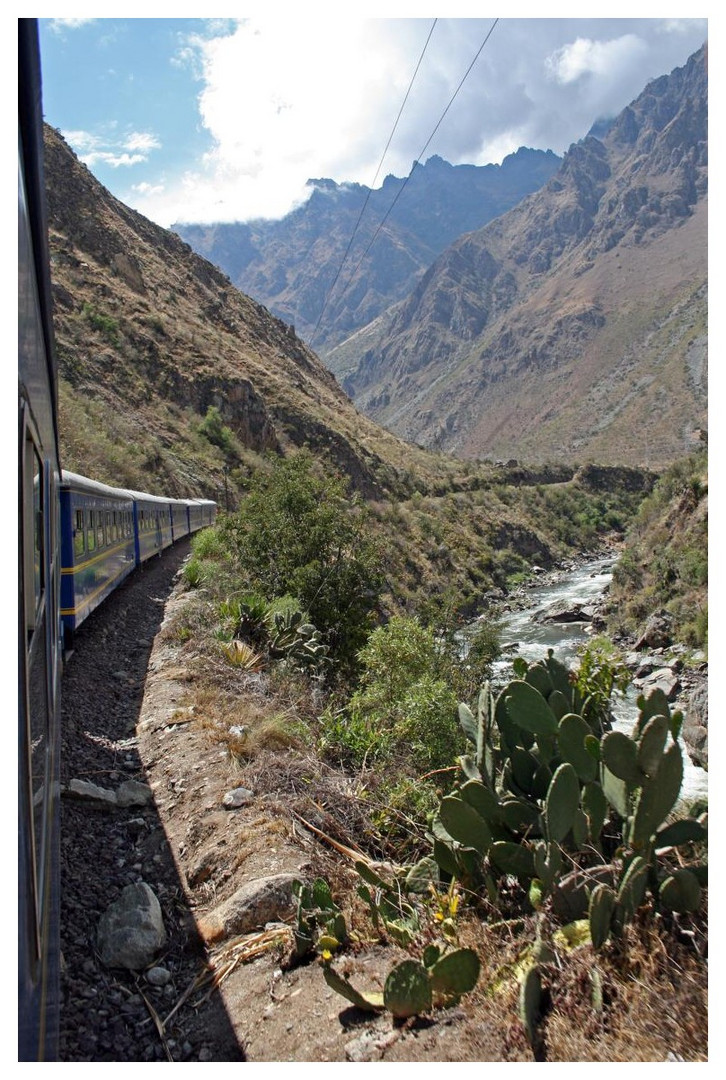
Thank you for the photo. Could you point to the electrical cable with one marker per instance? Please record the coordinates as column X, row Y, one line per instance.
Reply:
column 370, row 189
column 403, row 186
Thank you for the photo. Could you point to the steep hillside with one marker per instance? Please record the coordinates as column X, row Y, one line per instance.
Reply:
column 291, row 264
column 574, row 326
column 151, row 337
column 663, row 569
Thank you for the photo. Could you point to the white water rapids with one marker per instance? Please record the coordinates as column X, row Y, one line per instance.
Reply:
column 582, row 586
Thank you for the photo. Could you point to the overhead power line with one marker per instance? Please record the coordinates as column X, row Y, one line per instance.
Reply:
column 405, row 183
column 370, row 189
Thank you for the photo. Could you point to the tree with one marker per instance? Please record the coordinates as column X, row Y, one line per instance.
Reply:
column 300, row 533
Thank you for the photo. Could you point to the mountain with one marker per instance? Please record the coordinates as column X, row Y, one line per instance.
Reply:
column 290, row 265
column 169, row 377
column 170, row 380
column 573, row 326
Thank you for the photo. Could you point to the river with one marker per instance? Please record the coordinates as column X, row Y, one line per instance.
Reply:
column 584, row 586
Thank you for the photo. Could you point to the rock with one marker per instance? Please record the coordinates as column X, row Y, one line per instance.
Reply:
column 241, row 796
column 133, row 793
column 370, row 1045
column 131, row 931
column 577, row 613
column 158, row 976
column 695, row 727
column 663, row 679
column 254, row 904
column 84, row 789
column 657, row 632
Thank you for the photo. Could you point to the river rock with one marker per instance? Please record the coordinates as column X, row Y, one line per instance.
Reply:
column 131, row 931
column 573, row 614
column 695, row 727
column 662, row 679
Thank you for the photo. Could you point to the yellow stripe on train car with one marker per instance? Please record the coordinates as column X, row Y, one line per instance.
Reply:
column 128, row 542
column 90, row 598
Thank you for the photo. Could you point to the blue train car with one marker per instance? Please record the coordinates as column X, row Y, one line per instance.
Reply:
column 180, row 525
column 152, row 524
column 97, row 544
column 202, row 512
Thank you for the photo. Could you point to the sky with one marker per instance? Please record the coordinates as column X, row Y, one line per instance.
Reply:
column 225, row 119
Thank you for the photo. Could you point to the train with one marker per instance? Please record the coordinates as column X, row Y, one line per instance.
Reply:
column 78, row 540
column 107, row 532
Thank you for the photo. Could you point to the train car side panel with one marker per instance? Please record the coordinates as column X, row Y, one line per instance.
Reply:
column 97, row 545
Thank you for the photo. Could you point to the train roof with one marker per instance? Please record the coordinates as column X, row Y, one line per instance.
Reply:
column 95, row 487
column 70, row 480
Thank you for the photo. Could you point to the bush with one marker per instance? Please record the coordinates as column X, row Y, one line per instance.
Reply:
column 405, row 708
column 217, row 432
column 300, row 534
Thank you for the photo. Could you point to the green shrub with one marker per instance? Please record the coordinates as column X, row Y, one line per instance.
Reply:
column 300, row 534
column 216, row 431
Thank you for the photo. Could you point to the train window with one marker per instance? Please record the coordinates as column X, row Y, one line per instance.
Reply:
column 100, row 532
column 114, row 527
column 91, row 530
column 109, row 531
column 79, row 538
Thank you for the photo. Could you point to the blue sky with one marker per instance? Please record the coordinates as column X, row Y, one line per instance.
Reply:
column 225, row 119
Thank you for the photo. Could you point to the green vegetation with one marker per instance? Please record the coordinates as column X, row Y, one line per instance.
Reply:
column 665, row 561
column 106, row 325
column 299, row 533
column 548, row 820
column 213, row 428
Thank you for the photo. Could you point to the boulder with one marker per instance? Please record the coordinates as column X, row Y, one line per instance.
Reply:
column 662, row 679
column 657, row 633
column 251, row 906
column 576, row 613
column 131, row 930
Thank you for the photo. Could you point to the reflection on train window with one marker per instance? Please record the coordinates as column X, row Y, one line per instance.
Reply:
column 37, row 528
column 91, row 534
column 79, row 540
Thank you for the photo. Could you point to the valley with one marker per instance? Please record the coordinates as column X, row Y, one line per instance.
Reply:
column 366, row 845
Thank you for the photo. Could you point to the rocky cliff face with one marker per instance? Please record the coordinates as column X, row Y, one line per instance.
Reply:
column 291, row 264
column 574, row 325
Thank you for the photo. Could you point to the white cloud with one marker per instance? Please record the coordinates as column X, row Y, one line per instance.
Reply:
column 586, row 57
column 58, row 26
column 142, row 140
column 116, row 152
column 113, row 160
column 287, row 99
column 147, row 190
